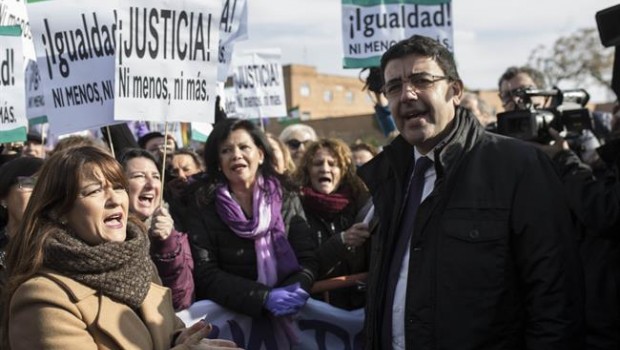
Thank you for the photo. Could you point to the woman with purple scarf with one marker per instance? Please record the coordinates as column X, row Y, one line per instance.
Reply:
column 252, row 248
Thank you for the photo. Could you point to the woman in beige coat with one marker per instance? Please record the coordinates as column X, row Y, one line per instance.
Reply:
column 80, row 276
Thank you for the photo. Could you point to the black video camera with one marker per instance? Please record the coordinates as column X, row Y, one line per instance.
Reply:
column 529, row 123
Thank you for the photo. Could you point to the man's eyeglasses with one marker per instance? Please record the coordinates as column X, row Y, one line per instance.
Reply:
column 417, row 82
column 295, row 144
column 26, row 183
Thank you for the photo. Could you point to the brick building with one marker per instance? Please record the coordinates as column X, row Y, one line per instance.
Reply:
column 321, row 96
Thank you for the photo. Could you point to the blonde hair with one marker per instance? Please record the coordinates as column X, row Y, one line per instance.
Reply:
column 289, row 164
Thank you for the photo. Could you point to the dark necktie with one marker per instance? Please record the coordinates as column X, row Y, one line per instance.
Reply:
column 414, row 195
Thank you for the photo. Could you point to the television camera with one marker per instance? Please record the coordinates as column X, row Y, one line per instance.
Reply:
column 565, row 111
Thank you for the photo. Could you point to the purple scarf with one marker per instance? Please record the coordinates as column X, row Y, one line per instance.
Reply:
column 275, row 258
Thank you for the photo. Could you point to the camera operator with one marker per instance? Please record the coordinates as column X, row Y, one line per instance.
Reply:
column 515, row 78
column 523, row 89
column 595, row 201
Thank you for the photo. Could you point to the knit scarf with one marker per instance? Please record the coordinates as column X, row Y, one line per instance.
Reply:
column 121, row 271
column 325, row 205
column 275, row 258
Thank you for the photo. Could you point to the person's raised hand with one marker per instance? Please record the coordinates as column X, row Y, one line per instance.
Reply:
column 559, row 144
column 161, row 224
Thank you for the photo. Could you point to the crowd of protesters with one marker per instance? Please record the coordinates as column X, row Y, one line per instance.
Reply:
column 468, row 239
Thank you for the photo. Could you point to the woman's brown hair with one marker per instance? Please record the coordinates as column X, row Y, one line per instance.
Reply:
column 57, row 187
column 344, row 159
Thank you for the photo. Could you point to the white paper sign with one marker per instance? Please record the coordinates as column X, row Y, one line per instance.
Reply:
column 166, row 66
column 233, row 27
column 259, row 84
column 13, row 12
column 74, row 40
column 13, row 122
column 229, row 102
column 370, row 27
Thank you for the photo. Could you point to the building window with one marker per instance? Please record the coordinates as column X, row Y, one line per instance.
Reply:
column 349, row 96
column 328, row 96
column 304, row 90
column 305, row 116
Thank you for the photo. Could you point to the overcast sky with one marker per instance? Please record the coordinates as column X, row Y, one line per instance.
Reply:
column 489, row 35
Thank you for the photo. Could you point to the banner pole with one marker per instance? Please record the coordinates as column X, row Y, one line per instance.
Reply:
column 163, row 163
column 110, row 143
column 262, row 124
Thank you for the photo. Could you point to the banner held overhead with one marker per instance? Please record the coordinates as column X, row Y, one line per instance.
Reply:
column 13, row 122
column 166, row 66
column 259, row 84
column 370, row 27
column 74, row 41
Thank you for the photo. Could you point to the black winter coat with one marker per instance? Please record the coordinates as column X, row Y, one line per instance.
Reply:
column 494, row 261
column 225, row 265
column 335, row 259
column 596, row 203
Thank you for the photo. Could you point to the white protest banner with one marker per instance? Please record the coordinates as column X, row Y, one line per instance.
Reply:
column 13, row 12
column 13, row 121
column 167, row 60
column 75, row 42
column 201, row 131
column 318, row 326
column 229, row 102
column 233, row 27
column 259, row 84
column 370, row 27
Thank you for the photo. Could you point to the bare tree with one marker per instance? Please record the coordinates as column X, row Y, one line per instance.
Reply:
column 579, row 58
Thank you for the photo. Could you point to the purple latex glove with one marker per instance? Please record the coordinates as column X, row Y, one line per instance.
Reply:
column 286, row 300
column 301, row 294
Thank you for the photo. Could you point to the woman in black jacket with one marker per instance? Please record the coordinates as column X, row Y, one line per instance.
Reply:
column 251, row 243
column 334, row 200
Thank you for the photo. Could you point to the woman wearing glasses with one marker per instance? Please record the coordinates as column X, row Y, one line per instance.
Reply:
column 16, row 183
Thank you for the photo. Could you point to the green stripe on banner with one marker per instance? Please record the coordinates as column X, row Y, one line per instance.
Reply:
column 14, row 135
column 38, row 120
column 379, row 2
column 33, row 1
column 362, row 62
column 198, row 136
column 10, row 30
